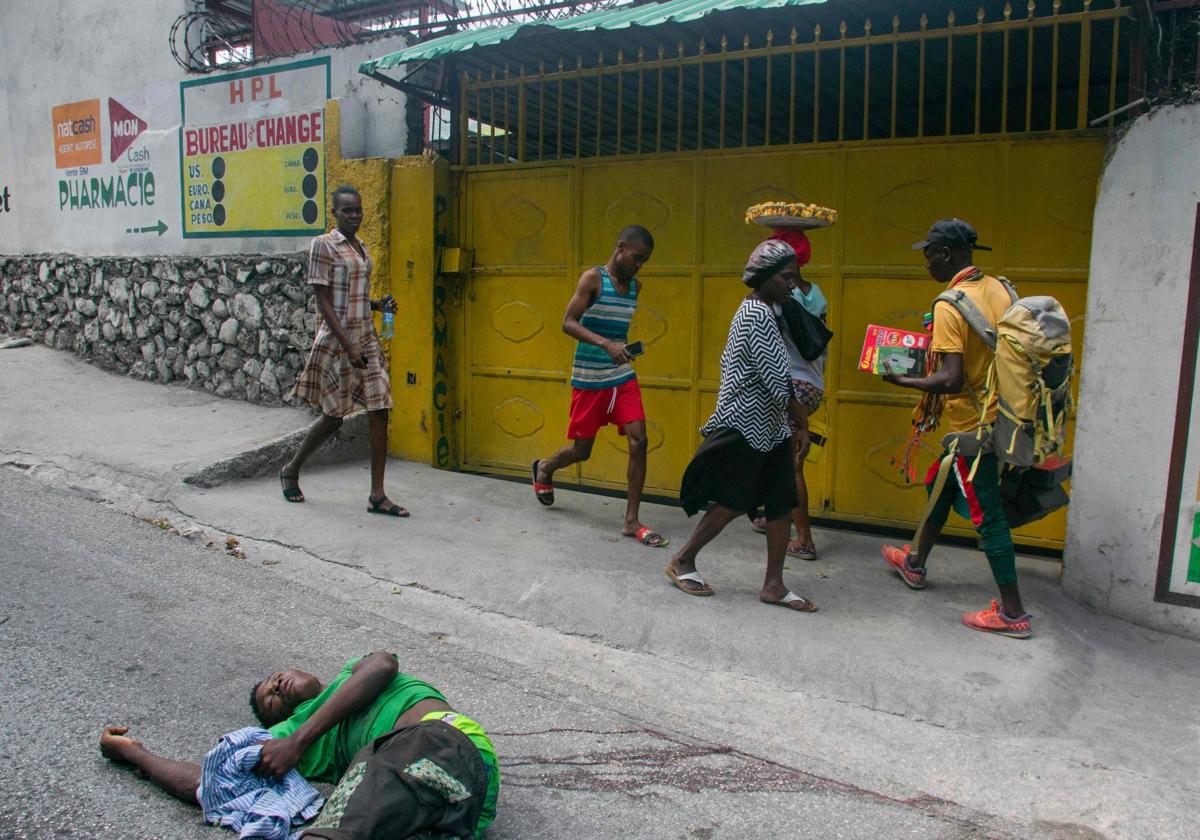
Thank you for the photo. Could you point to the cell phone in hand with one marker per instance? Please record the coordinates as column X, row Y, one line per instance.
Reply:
column 635, row 349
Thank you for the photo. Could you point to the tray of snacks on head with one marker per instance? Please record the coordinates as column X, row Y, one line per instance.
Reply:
column 775, row 214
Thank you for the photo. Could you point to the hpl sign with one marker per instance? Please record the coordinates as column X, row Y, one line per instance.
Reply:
column 252, row 152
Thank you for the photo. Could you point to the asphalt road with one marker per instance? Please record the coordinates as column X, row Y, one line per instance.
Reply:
column 108, row 619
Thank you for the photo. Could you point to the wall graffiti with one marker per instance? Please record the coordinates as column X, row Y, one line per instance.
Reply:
column 441, row 389
column 442, row 398
column 252, row 152
column 6, row 203
column 8, row 223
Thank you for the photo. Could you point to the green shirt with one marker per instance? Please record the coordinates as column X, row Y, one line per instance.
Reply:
column 327, row 758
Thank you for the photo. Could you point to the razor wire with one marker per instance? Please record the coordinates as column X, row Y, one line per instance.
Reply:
column 204, row 40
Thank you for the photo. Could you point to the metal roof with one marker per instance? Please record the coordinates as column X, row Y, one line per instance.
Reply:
column 623, row 17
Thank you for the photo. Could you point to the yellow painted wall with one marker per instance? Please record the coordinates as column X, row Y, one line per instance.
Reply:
column 371, row 177
column 423, row 416
column 400, row 199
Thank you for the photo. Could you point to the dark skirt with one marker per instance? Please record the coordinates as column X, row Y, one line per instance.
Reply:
column 728, row 471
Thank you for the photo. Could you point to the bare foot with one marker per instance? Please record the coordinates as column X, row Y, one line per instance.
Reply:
column 114, row 744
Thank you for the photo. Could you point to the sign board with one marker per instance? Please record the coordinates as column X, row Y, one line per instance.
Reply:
column 76, row 133
column 252, row 152
column 1179, row 557
column 109, row 157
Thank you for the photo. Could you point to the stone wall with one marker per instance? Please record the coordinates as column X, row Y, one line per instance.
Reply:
column 237, row 326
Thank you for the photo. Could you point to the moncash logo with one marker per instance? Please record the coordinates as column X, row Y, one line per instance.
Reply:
column 123, row 128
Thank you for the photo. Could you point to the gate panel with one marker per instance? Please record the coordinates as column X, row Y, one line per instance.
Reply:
column 521, row 218
column 892, row 193
column 1051, row 228
column 517, row 357
column 660, row 195
column 733, row 184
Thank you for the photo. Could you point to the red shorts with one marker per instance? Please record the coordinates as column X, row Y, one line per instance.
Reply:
column 593, row 408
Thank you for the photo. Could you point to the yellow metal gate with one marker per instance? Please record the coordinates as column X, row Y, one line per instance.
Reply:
column 554, row 162
column 535, row 229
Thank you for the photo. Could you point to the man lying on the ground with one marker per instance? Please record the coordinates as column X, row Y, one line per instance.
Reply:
column 368, row 727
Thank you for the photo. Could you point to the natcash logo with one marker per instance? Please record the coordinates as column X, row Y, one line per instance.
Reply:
column 123, row 128
column 76, row 134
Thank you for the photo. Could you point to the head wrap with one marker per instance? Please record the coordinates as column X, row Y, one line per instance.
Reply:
column 766, row 260
column 795, row 237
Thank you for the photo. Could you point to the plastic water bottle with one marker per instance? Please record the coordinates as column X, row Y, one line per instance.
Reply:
column 389, row 319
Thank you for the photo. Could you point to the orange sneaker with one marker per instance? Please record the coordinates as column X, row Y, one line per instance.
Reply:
column 897, row 558
column 993, row 620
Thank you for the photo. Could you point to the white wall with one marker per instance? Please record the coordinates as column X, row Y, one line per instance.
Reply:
column 69, row 51
column 1137, row 302
column 9, row 203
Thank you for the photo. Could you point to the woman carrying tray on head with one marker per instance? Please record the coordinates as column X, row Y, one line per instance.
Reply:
column 788, row 223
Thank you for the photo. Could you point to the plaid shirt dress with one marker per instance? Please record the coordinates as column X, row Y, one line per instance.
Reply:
column 328, row 381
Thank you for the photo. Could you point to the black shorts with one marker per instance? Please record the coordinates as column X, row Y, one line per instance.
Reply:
column 728, row 471
column 428, row 777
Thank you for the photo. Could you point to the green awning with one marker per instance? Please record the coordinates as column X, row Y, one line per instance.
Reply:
column 622, row 17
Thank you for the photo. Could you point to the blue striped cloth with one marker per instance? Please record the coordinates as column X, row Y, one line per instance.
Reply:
column 609, row 316
column 234, row 796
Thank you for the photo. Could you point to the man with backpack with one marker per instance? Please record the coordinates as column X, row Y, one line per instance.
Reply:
column 954, row 390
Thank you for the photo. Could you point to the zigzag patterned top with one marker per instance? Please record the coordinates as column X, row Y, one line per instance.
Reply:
column 755, row 379
column 609, row 316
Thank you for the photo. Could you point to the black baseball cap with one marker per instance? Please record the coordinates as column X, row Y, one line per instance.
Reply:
column 953, row 233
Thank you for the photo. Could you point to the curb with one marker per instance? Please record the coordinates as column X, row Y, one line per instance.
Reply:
column 349, row 443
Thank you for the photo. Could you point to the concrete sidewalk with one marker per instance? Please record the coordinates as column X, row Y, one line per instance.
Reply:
column 1086, row 730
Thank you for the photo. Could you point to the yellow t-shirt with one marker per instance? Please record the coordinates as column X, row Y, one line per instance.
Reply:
column 952, row 334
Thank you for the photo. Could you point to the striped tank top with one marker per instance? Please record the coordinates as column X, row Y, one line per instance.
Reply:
column 609, row 316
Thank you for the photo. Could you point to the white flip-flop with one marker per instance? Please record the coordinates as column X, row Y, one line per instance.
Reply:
column 789, row 599
column 675, row 578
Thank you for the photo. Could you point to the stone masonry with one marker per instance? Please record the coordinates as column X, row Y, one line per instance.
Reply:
column 237, row 326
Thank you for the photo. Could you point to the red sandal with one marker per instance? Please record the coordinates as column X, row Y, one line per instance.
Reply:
column 544, row 492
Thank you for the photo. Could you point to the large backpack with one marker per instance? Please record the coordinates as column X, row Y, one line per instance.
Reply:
column 1030, row 376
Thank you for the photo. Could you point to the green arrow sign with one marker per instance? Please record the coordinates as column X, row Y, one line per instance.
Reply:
column 161, row 228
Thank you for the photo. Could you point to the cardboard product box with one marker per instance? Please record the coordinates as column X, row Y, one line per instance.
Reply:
column 889, row 350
